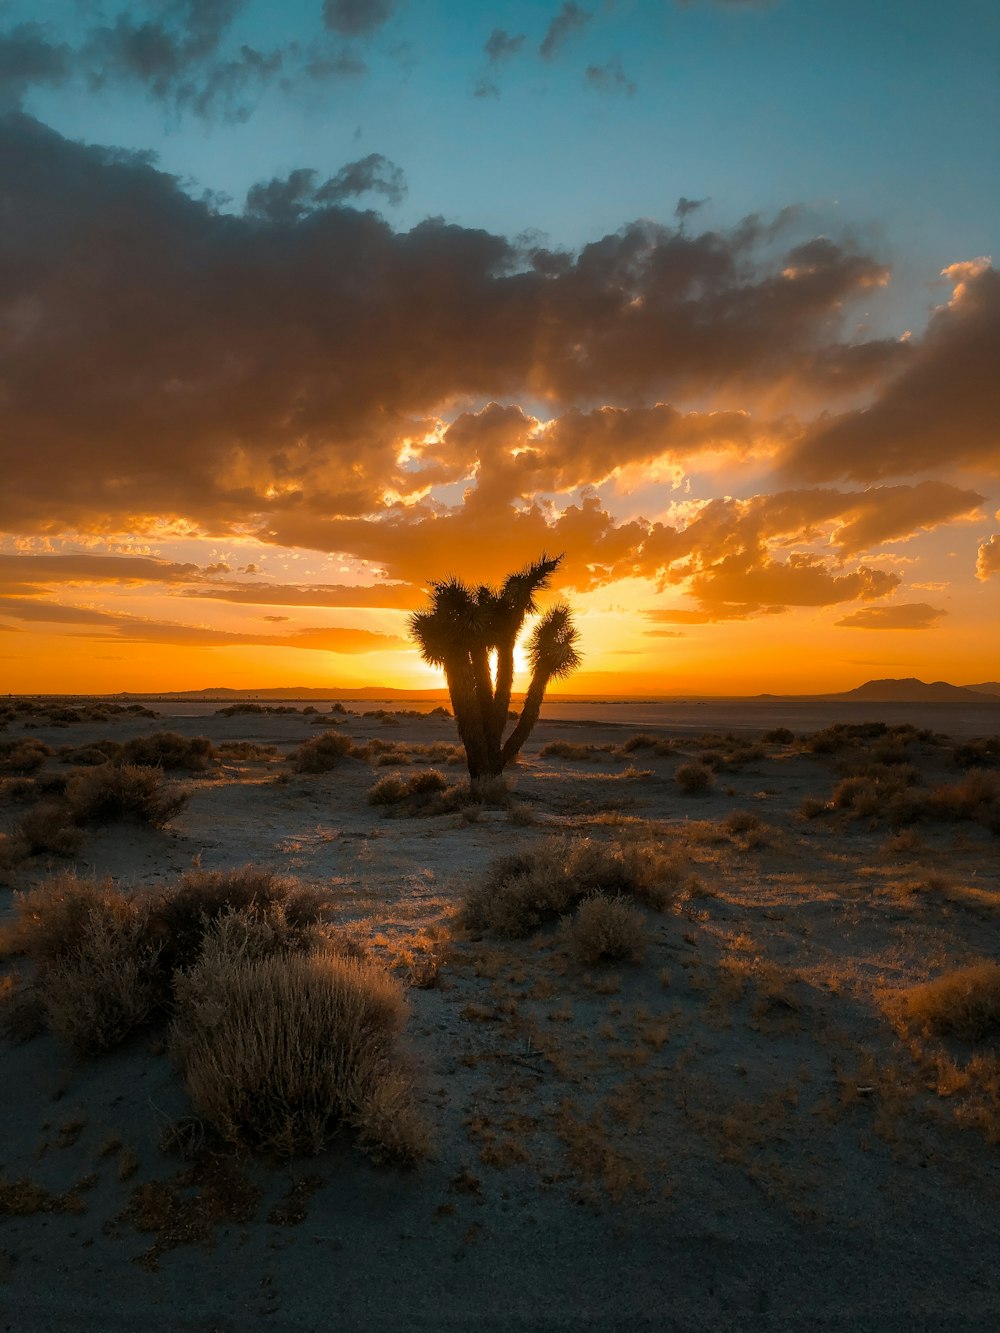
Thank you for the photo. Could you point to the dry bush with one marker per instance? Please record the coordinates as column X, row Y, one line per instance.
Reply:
column 982, row 753
column 520, row 892
column 13, row 850
column 168, row 750
column 246, row 750
column 741, row 821
column 99, row 752
column 104, row 988
column 281, row 1053
column 127, row 792
column 18, row 789
column 778, row 736
column 321, row 753
column 875, row 790
column 428, row 793
column 574, row 750
column 49, row 827
column 964, row 1003
column 181, row 916
column 812, row 807
column 96, row 968
column 975, row 797
column 23, row 756
column 694, row 778
column 605, row 928
column 642, row 740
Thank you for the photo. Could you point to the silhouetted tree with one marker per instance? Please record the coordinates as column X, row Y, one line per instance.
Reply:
column 463, row 627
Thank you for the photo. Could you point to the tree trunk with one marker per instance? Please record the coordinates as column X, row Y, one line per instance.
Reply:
column 529, row 716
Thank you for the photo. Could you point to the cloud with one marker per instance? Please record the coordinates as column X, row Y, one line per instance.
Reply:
column 266, row 377
column 906, row 615
column 357, row 18
column 286, row 201
column 610, row 78
column 501, row 45
column 397, row 596
column 85, row 568
column 135, row 629
column 29, row 59
column 571, row 18
column 988, row 558
column 942, row 409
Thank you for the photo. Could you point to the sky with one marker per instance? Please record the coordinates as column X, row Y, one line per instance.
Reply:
column 305, row 306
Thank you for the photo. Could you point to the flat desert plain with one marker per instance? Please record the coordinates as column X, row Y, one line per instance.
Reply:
column 759, row 1115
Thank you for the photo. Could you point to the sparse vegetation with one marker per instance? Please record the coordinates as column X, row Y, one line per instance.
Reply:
column 168, row 750
column 281, row 1053
column 23, row 756
column 964, row 1003
column 128, row 791
column 605, row 928
column 320, row 753
column 693, row 779
column 520, row 892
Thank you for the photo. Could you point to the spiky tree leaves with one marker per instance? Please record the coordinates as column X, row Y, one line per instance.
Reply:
column 461, row 630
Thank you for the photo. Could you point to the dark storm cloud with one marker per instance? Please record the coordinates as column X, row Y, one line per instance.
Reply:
column 161, row 358
column 942, row 409
column 500, row 44
column 357, row 18
column 571, row 18
column 28, row 58
column 610, row 78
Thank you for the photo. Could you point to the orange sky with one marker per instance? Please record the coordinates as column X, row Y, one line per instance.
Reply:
column 237, row 447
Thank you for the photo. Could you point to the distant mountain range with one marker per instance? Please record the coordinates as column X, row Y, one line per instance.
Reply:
column 908, row 690
column 911, row 690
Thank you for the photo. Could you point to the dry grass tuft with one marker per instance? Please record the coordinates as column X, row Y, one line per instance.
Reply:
column 522, row 891
column 281, row 1053
column 605, row 929
column 694, row 778
column 48, row 827
column 96, row 968
column 126, row 792
column 321, row 753
column 168, row 750
column 23, row 756
column 275, row 913
column 964, row 1003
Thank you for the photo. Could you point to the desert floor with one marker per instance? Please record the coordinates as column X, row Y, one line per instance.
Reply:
column 742, row 1130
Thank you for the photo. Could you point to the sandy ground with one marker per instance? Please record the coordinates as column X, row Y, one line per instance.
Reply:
column 730, row 1134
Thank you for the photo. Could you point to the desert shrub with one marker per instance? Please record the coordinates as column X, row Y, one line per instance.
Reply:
column 605, row 928
column 281, row 1053
column 18, row 789
column 741, row 821
column 778, row 736
column 874, row 790
column 129, row 791
column 573, row 750
column 745, row 753
column 975, row 797
column 13, row 850
column 23, row 756
column 694, row 778
column 964, row 1003
column 439, row 711
column 95, row 965
column 982, row 753
column 168, row 750
column 520, row 892
column 100, row 752
column 812, row 807
column 642, row 740
column 321, row 753
column 428, row 793
column 247, row 750
column 49, row 827
column 181, row 915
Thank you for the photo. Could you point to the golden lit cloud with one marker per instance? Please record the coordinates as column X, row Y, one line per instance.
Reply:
column 906, row 615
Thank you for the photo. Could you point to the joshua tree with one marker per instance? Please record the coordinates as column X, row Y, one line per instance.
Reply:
column 463, row 627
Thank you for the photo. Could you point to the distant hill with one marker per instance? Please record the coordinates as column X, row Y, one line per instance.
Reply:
column 910, row 690
column 987, row 687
